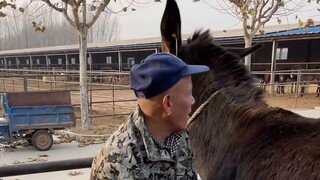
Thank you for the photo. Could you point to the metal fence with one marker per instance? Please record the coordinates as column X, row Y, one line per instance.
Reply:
column 108, row 92
column 289, row 83
column 302, row 81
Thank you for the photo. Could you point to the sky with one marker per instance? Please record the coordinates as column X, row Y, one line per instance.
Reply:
column 145, row 21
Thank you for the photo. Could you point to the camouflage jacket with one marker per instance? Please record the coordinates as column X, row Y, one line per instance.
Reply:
column 131, row 153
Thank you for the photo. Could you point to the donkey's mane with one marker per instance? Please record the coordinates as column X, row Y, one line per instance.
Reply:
column 229, row 73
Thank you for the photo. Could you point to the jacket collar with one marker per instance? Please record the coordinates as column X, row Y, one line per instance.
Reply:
column 153, row 151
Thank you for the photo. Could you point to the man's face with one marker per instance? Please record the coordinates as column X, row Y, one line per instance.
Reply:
column 181, row 101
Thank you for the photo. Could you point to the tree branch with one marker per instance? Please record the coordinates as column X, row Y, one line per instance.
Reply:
column 257, row 28
column 275, row 8
column 262, row 7
column 64, row 11
column 65, row 14
column 84, row 12
column 264, row 14
column 76, row 17
column 244, row 13
column 52, row 6
column 101, row 8
column 254, row 17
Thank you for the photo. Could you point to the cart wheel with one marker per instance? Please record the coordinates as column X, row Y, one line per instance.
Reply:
column 42, row 140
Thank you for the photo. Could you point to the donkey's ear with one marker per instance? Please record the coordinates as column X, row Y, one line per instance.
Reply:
column 171, row 28
column 243, row 52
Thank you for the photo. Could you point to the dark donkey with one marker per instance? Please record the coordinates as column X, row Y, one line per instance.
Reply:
column 237, row 135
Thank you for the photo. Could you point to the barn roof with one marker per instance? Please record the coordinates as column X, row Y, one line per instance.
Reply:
column 229, row 36
column 292, row 33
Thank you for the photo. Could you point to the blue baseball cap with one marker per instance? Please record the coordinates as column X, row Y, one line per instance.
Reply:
column 159, row 72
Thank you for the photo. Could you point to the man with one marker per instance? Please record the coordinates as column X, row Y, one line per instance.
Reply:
column 153, row 143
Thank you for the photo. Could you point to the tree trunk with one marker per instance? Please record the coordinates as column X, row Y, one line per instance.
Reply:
column 247, row 61
column 83, row 79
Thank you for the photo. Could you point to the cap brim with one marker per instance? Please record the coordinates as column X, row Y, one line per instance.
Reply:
column 195, row 69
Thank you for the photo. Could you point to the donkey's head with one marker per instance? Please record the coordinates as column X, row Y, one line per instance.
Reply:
column 226, row 69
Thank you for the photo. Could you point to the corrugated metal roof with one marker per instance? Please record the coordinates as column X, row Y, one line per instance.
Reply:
column 92, row 47
column 149, row 43
column 315, row 30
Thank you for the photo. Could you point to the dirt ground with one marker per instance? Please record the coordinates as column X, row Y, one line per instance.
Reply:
column 106, row 125
column 288, row 102
column 99, row 125
column 106, row 103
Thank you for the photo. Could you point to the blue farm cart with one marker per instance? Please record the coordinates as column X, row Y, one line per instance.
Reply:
column 33, row 116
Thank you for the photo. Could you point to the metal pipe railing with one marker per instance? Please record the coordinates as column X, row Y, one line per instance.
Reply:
column 23, row 169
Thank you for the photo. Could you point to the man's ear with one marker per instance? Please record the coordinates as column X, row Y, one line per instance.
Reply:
column 167, row 104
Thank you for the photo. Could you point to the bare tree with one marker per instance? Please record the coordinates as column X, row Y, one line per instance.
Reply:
column 81, row 15
column 21, row 34
column 254, row 14
column 76, row 13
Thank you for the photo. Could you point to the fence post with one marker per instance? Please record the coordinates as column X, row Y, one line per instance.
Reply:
column 298, row 83
column 90, row 89
column 4, row 84
column 273, row 65
column 298, row 88
column 25, row 84
column 113, row 99
column 12, row 84
column 54, row 78
column 272, row 83
column 66, row 81
column 38, row 81
column 50, row 83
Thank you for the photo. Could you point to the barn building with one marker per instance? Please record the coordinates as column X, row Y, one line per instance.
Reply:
column 295, row 47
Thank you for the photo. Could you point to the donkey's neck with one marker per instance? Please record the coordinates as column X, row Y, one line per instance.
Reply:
column 232, row 76
column 226, row 71
column 242, row 93
column 218, row 126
